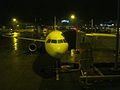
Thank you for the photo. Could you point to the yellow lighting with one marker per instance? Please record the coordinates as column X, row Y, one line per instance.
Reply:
column 18, row 25
column 101, row 34
column 15, row 40
column 72, row 17
column 15, row 34
column 15, row 43
column 14, row 20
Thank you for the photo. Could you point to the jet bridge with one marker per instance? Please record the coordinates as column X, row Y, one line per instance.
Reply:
column 89, row 72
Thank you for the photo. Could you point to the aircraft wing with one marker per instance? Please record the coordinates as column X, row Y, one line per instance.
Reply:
column 32, row 39
column 101, row 34
column 24, row 38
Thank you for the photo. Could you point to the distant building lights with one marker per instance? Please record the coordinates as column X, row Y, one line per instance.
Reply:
column 112, row 24
column 18, row 25
column 101, row 24
column 75, row 29
column 65, row 21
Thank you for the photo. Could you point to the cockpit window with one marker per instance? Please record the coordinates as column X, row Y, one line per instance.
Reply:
column 60, row 41
column 48, row 41
column 54, row 41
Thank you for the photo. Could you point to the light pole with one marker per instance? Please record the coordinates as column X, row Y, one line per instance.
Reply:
column 72, row 18
column 14, row 19
column 74, row 23
column 14, row 22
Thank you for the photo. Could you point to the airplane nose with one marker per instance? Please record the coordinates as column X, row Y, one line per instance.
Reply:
column 60, row 50
column 56, row 50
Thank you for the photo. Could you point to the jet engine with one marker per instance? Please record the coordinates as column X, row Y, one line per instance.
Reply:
column 32, row 47
column 36, row 46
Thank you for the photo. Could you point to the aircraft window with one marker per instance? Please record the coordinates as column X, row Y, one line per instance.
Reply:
column 60, row 41
column 54, row 41
column 48, row 41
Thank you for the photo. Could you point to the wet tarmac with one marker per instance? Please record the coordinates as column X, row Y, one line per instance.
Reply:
column 23, row 70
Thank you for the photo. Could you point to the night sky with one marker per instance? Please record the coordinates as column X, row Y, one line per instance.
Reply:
column 28, row 10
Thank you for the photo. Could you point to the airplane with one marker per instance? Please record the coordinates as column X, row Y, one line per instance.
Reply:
column 55, row 43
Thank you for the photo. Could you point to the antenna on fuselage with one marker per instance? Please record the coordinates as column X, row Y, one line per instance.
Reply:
column 54, row 22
